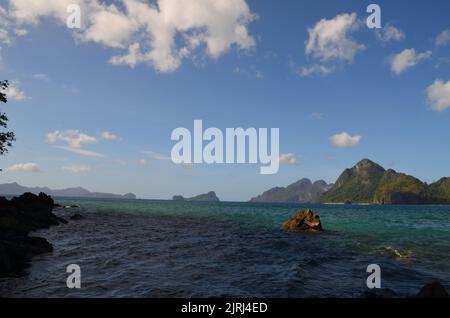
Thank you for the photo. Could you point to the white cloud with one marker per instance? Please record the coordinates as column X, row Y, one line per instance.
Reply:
column 20, row 32
column 14, row 93
column 82, row 152
column 5, row 25
column 4, row 36
column 157, row 156
column 74, row 138
column 30, row 12
column 259, row 75
column 443, row 38
column 161, row 34
column 389, row 33
column 142, row 162
column 40, row 77
column 345, row 140
column 289, row 159
column 74, row 141
column 316, row 69
column 439, row 95
column 406, row 59
column 110, row 27
column 29, row 166
column 77, row 168
column 109, row 136
column 329, row 39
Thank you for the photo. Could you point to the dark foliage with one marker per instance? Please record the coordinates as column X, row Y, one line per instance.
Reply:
column 6, row 138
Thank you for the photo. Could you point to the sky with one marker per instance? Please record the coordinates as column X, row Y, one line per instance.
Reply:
column 95, row 106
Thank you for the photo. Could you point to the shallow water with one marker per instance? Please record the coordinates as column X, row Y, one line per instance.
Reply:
column 143, row 248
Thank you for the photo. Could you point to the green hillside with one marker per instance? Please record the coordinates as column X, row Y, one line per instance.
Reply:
column 368, row 182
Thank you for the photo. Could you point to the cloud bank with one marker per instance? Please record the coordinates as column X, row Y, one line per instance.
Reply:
column 161, row 34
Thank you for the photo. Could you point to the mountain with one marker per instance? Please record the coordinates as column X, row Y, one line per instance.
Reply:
column 79, row 192
column 302, row 191
column 368, row 182
column 207, row 197
column 439, row 191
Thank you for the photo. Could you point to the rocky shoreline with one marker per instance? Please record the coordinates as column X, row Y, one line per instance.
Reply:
column 22, row 215
column 18, row 217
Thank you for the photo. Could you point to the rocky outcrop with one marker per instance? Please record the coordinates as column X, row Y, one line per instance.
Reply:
column 433, row 290
column 368, row 182
column 178, row 198
column 18, row 217
column 207, row 197
column 303, row 221
column 302, row 191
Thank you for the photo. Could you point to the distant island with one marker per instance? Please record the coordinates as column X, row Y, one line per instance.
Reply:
column 206, row 197
column 365, row 183
column 79, row 192
column 302, row 191
column 368, row 182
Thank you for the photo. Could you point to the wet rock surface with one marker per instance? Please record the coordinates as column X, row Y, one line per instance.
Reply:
column 18, row 217
column 303, row 221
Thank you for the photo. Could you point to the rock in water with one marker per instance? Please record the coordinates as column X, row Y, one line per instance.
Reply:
column 18, row 217
column 433, row 290
column 303, row 221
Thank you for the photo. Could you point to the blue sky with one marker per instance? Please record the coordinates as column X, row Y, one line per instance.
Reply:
column 311, row 68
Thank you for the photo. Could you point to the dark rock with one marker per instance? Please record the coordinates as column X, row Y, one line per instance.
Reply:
column 18, row 217
column 62, row 220
column 433, row 290
column 303, row 221
column 77, row 216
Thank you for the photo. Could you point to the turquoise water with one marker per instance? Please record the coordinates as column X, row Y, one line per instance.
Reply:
column 149, row 248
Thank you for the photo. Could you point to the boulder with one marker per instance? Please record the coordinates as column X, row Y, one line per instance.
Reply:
column 303, row 221
column 18, row 217
column 433, row 290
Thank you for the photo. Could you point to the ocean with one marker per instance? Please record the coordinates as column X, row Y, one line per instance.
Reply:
column 146, row 248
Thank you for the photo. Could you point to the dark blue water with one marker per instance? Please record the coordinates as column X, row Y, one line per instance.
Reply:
column 141, row 248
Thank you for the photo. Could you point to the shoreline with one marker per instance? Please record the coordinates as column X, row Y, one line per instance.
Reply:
column 110, row 223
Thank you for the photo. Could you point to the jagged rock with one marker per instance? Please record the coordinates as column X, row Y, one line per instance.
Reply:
column 433, row 290
column 303, row 221
column 18, row 217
